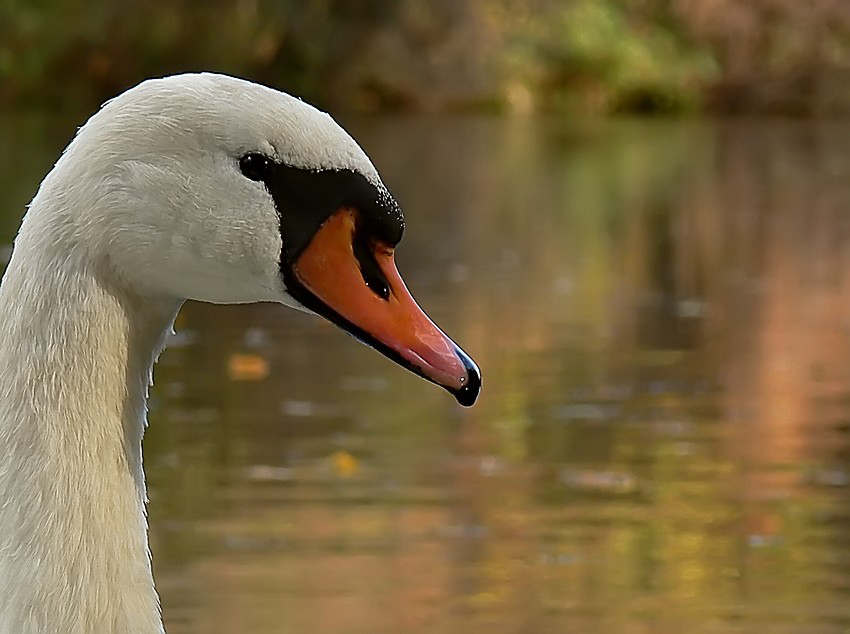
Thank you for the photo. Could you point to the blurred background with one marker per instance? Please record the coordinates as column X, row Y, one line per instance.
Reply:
column 635, row 215
column 588, row 56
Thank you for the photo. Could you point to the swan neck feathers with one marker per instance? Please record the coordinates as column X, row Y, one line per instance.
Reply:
column 75, row 362
column 145, row 208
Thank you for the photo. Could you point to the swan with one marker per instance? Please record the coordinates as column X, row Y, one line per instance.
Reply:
column 195, row 186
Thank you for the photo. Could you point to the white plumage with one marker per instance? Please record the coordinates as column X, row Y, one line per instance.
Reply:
column 145, row 208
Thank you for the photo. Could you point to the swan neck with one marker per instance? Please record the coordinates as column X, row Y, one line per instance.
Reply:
column 76, row 352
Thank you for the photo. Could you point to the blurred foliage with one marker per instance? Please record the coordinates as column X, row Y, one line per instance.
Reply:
column 781, row 56
column 600, row 55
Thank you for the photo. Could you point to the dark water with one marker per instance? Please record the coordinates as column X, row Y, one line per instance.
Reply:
column 661, row 311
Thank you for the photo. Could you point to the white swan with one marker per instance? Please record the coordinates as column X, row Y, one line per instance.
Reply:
column 194, row 186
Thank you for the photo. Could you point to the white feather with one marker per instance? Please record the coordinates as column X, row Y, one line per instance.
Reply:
column 145, row 208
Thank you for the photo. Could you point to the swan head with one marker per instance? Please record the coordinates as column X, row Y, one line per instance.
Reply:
column 208, row 187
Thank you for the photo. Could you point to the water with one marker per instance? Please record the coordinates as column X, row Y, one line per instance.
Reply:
column 660, row 310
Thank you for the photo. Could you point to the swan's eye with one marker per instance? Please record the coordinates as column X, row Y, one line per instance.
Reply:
column 255, row 166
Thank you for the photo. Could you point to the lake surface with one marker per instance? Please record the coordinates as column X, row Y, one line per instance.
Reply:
column 661, row 311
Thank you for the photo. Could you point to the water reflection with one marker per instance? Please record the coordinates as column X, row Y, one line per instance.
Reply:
column 661, row 313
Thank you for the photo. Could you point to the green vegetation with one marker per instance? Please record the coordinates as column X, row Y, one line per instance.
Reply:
column 601, row 56
column 593, row 55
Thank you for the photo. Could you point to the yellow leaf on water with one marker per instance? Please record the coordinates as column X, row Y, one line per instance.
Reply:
column 345, row 464
column 247, row 367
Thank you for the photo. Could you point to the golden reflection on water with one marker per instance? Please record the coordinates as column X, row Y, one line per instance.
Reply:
column 660, row 311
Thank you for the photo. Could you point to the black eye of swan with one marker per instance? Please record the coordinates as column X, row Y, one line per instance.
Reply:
column 255, row 166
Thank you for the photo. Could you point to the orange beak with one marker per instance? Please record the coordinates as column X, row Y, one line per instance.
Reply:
column 383, row 314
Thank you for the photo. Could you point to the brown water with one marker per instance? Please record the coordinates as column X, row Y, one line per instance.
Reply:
column 661, row 311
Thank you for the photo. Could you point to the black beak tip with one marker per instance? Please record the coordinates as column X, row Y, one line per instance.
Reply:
column 468, row 394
